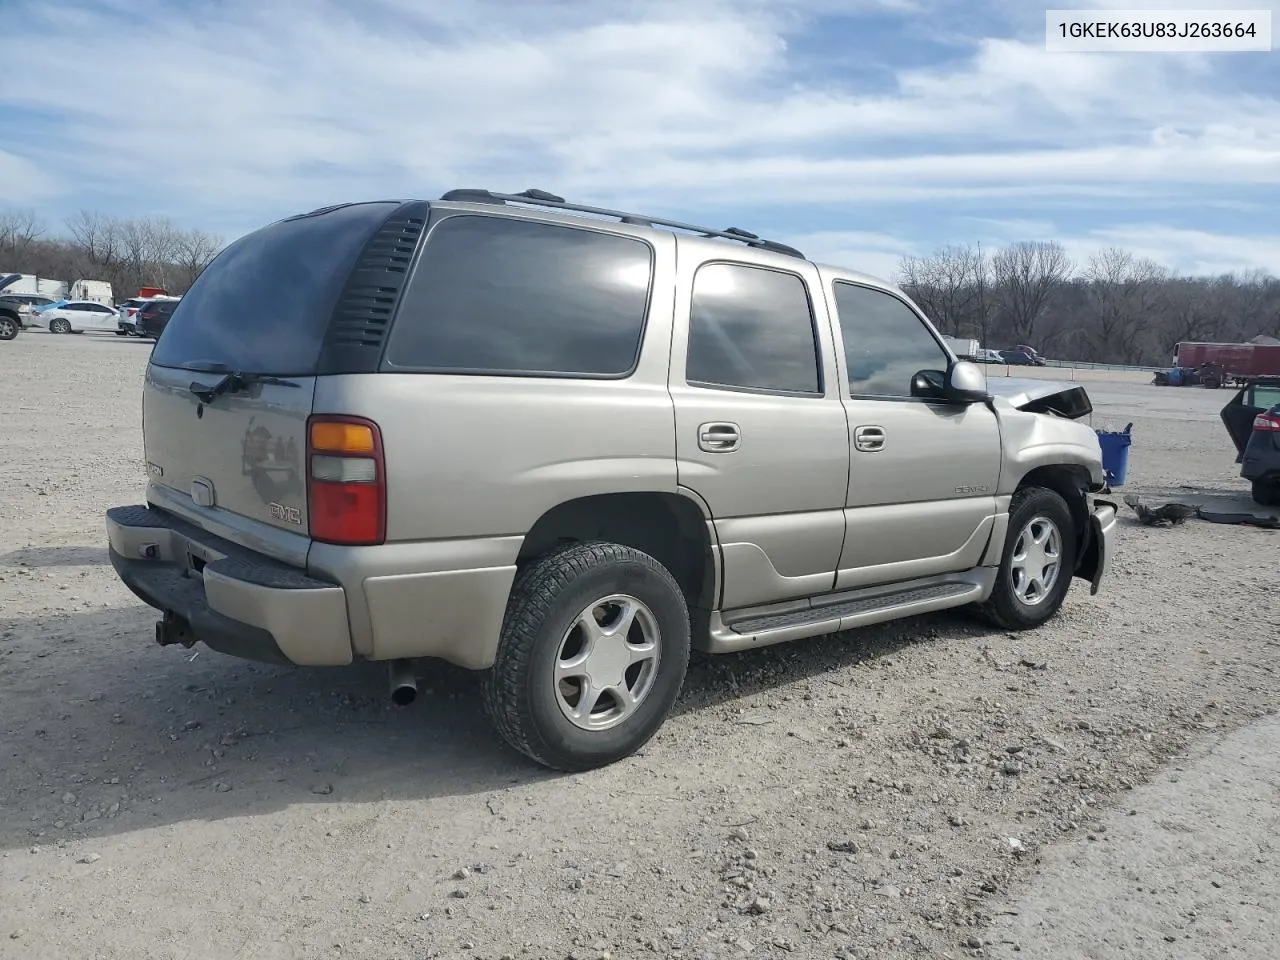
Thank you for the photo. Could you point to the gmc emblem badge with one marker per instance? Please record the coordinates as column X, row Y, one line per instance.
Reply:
column 286, row 514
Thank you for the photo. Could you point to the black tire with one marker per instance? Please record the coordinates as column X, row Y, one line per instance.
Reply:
column 520, row 693
column 59, row 325
column 1266, row 491
column 8, row 328
column 1005, row 608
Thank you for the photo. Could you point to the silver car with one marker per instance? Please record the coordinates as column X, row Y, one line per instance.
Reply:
column 563, row 446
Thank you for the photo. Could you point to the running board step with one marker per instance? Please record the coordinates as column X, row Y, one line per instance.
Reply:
column 850, row 608
column 856, row 611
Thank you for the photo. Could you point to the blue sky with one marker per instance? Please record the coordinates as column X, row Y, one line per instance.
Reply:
column 860, row 130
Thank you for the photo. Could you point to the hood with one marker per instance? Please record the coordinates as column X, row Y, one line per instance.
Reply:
column 1068, row 400
column 6, row 279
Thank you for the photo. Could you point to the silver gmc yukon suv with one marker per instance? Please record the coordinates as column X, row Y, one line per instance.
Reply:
column 565, row 446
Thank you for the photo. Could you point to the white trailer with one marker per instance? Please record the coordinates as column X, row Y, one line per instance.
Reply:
column 27, row 283
column 964, row 349
column 99, row 291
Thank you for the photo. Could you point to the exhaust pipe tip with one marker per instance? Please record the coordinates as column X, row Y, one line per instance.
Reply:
column 404, row 683
column 404, row 694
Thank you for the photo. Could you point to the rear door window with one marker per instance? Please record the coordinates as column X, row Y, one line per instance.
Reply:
column 497, row 295
column 264, row 304
column 1264, row 397
column 751, row 328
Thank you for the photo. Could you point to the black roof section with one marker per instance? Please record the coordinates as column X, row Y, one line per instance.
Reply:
column 541, row 198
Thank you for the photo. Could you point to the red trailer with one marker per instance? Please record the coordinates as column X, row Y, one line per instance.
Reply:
column 1229, row 363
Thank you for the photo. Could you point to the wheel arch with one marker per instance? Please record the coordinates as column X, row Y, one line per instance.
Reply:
column 1072, row 482
column 670, row 527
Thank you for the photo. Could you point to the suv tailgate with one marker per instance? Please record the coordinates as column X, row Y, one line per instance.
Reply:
column 243, row 452
column 230, row 384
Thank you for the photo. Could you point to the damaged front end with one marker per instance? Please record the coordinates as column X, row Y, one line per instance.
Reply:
column 1045, row 440
column 1067, row 400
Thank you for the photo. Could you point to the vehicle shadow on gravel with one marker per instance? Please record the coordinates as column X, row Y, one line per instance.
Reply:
column 103, row 732
column 55, row 557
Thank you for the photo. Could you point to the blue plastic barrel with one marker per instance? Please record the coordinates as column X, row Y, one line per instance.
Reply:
column 1115, row 453
column 1175, row 377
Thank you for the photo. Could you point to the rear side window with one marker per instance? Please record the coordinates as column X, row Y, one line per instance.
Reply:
column 506, row 296
column 751, row 328
column 264, row 304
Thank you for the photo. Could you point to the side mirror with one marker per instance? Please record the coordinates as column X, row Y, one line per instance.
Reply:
column 963, row 382
column 966, row 383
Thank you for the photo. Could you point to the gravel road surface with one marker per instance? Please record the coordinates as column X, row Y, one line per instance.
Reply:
column 931, row 788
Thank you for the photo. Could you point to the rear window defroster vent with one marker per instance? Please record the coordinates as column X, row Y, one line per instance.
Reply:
column 362, row 316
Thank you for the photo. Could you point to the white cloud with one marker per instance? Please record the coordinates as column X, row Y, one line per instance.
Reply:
column 22, row 182
column 1194, row 252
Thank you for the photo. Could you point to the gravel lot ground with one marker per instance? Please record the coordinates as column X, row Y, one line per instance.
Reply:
column 927, row 789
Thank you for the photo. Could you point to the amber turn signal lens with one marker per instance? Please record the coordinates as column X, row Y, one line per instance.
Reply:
column 341, row 437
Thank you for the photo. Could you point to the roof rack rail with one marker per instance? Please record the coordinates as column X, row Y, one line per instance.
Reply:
column 541, row 198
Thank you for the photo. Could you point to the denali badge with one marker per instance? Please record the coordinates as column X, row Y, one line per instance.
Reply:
column 969, row 491
column 287, row 514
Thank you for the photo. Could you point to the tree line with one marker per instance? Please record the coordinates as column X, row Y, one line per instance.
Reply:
column 129, row 253
column 1113, row 308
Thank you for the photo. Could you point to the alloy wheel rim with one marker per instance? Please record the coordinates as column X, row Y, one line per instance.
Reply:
column 1036, row 562
column 607, row 662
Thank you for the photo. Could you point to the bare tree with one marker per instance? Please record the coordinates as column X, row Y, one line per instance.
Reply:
column 19, row 229
column 195, row 251
column 96, row 237
column 1126, row 294
column 947, row 285
column 1025, row 276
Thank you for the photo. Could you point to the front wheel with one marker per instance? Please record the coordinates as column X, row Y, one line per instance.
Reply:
column 59, row 326
column 1266, row 491
column 8, row 328
column 1038, row 561
column 593, row 652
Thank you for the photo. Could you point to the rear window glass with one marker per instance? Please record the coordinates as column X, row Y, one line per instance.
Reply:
column 264, row 304
column 506, row 296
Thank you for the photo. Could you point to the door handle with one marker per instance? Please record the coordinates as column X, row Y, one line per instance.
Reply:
column 719, row 437
column 869, row 439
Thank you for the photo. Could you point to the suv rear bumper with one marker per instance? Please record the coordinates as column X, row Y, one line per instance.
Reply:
column 235, row 601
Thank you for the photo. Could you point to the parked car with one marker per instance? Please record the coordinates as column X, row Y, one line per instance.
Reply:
column 1016, row 356
column 153, row 316
column 1252, row 418
column 565, row 449
column 75, row 316
column 126, row 312
column 128, row 322
column 11, row 319
column 16, row 310
column 989, row 356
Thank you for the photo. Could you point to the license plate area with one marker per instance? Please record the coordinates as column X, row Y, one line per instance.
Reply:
column 196, row 557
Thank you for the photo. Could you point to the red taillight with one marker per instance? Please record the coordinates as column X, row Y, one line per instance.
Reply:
column 346, row 481
column 1267, row 423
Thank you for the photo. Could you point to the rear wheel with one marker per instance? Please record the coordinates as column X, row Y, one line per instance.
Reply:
column 1038, row 562
column 8, row 328
column 593, row 653
column 59, row 325
column 1266, row 491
